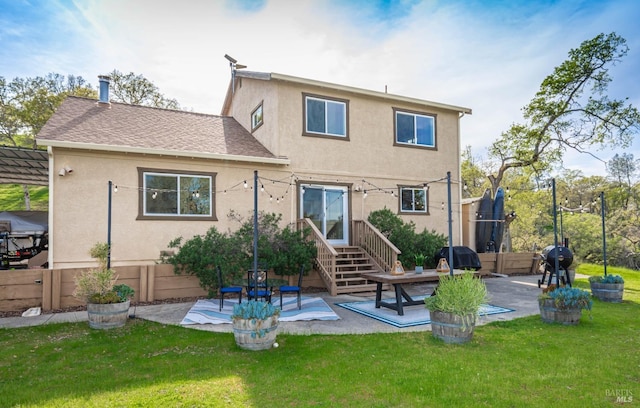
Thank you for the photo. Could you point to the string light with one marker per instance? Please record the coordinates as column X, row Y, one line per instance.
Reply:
column 245, row 184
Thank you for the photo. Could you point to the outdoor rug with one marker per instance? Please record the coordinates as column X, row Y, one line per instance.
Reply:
column 413, row 315
column 205, row 311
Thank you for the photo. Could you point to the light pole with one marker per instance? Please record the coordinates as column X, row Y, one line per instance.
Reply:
column 604, row 237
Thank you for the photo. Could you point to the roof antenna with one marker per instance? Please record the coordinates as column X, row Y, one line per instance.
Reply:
column 233, row 64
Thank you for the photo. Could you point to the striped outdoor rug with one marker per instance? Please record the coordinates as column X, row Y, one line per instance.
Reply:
column 413, row 315
column 205, row 311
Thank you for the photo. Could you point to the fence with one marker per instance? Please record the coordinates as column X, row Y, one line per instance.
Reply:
column 52, row 289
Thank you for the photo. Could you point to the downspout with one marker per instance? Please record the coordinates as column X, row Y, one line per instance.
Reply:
column 460, row 226
column 50, row 227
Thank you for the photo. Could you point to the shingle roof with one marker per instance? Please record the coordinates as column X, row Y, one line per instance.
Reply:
column 84, row 121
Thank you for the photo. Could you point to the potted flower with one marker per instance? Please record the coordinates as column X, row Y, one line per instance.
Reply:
column 107, row 303
column 255, row 324
column 419, row 262
column 563, row 304
column 454, row 306
column 608, row 288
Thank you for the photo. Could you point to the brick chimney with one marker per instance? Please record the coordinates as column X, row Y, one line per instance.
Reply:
column 104, row 89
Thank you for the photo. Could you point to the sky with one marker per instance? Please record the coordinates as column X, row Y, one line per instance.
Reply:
column 490, row 56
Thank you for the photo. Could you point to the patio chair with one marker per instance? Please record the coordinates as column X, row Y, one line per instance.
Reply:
column 227, row 289
column 293, row 289
column 263, row 289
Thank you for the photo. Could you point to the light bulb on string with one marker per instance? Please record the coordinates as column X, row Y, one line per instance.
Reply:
column 154, row 195
column 115, row 188
column 262, row 188
column 245, row 184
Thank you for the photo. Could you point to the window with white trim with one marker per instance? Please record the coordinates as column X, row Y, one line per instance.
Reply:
column 325, row 117
column 413, row 200
column 176, row 195
column 256, row 117
column 415, row 129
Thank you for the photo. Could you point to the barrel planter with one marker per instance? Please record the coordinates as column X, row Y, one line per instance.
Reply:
column 255, row 334
column 551, row 314
column 450, row 327
column 108, row 316
column 607, row 292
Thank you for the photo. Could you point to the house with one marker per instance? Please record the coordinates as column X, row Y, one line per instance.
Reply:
column 324, row 154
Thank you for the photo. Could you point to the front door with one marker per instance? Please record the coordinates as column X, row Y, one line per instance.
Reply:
column 327, row 207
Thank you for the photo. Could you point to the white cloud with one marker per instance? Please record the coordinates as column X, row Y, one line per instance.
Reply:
column 487, row 57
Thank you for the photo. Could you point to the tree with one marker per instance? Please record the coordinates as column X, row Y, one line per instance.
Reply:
column 622, row 168
column 570, row 110
column 27, row 103
column 137, row 90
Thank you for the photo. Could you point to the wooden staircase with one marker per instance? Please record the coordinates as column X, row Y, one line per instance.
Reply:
column 351, row 263
column 342, row 268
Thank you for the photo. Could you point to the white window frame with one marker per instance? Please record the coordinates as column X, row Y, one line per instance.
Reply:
column 257, row 117
column 199, row 197
column 327, row 102
column 413, row 190
column 416, row 116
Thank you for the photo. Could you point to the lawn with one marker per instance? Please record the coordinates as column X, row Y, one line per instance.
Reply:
column 12, row 198
column 522, row 362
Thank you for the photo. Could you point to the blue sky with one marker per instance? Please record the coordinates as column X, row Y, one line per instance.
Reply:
column 490, row 56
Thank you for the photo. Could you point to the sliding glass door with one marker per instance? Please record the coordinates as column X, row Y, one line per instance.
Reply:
column 327, row 207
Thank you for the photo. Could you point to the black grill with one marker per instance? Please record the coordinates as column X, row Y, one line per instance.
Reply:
column 463, row 257
column 565, row 259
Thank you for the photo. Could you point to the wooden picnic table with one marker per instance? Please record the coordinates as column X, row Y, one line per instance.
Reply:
column 428, row 275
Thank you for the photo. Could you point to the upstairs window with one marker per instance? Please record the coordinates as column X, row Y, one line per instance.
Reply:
column 325, row 117
column 415, row 129
column 256, row 117
column 413, row 200
column 176, row 195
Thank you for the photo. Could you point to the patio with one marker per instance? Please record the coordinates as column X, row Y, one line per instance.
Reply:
column 518, row 293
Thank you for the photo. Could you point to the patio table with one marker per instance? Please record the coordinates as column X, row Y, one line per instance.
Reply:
column 428, row 275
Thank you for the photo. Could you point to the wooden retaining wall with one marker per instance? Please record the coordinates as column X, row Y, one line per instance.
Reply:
column 52, row 289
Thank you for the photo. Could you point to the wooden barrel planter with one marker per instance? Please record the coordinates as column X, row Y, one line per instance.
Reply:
column 108, row 316
column 450, row 328
column 607, row 292
column 550, row 314
column 255, row 334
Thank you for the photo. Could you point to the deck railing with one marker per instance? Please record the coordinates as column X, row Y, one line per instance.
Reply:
column 383, row 252
column 326, row 255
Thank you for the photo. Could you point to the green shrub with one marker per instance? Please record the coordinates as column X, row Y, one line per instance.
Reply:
column 606, row 279
column 461, row 295
column 404, row 237
column 284, row 250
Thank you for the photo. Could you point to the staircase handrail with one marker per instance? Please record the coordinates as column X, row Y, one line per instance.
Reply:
column 326, row 254
column 369, row 238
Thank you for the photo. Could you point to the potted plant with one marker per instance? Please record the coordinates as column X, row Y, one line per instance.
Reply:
column 107, row 303
column 608, row 288
column 255, row 324
column 454, row 306
column 420, row 262
column 563, row 304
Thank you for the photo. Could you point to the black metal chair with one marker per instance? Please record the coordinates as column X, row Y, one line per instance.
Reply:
column 257, row 285
column 227, row 289
column 293, row 289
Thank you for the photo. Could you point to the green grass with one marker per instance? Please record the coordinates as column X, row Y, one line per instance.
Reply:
column 517, row 363
column 12, row 198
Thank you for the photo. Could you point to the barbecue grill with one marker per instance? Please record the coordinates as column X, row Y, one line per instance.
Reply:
column 565, row 259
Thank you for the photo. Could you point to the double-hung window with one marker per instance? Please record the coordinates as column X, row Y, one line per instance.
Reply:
column 325, row 116
column 176, row 195
column 415, row 129
column 413, row 200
